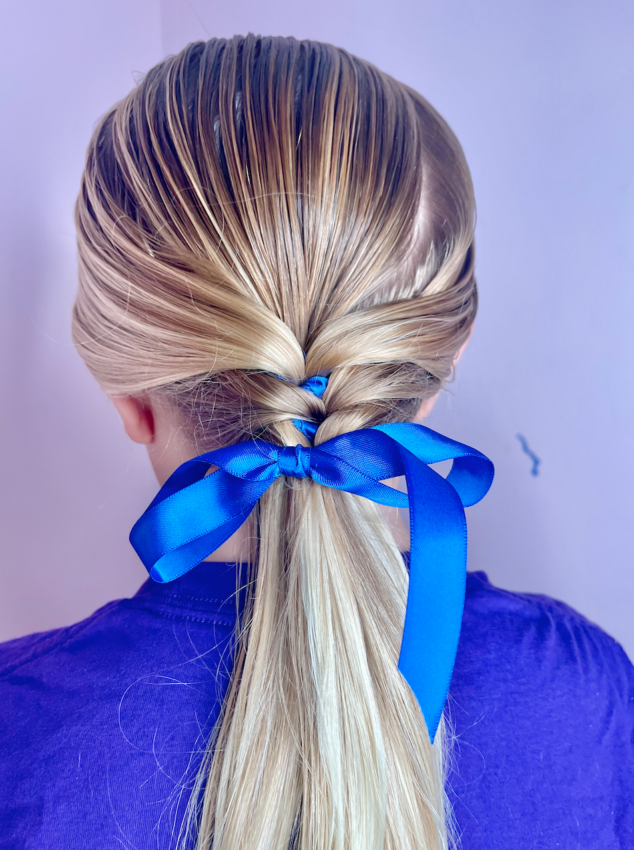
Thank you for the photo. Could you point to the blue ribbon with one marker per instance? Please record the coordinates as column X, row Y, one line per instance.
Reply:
column 317, row 386
column 193, row 514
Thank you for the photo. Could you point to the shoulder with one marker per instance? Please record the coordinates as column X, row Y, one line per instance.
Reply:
column 533, row 665
column 29, row 648
column 532, row 673
column 541, row 699
column 114, row 661
column 532, row 640
column 538, row 631
column 114, row 712
column 116, row 635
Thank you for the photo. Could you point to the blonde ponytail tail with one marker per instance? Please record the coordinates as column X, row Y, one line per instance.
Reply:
column 258, row 211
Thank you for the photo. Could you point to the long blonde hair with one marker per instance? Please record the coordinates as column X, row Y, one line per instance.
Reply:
column 260, row 207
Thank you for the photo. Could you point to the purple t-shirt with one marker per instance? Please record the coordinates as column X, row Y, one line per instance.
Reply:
column 103, row 722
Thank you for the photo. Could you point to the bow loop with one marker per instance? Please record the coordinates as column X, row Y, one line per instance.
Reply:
column 194, row 513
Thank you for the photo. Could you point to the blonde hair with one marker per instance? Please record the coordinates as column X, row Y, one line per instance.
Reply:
column 261, row 207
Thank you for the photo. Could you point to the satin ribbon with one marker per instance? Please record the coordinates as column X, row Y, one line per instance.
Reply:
column 317, row 386
column 193, row 514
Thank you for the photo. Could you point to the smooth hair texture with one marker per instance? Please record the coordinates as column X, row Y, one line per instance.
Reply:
column 261, row 207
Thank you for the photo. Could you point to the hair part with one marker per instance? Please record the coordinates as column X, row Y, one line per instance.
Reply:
column 260, row 207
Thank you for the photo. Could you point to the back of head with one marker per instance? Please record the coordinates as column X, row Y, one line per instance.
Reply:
column 264, row 207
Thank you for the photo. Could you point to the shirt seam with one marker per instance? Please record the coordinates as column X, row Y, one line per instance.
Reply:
column 213, row 617
column 179, row 597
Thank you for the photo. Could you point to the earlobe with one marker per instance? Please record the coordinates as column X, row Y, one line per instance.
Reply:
column 137, row 418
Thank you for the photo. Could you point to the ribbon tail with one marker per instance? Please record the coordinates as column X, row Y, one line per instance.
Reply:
column 435, row 601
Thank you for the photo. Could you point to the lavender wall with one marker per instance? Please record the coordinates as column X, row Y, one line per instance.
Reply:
column 71, row 481
column 540, row 95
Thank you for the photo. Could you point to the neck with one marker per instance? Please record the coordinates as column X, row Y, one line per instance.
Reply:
column 236, row 547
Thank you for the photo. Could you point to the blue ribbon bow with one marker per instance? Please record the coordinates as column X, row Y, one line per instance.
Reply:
column 193, row 514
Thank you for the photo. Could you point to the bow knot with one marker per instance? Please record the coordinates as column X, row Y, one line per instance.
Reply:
column 294, row 461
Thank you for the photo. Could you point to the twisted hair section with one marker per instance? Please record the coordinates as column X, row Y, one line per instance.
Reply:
column 259, row 208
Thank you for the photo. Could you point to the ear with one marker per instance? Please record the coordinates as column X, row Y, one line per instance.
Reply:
column 426, row 406
column 137, row 417
column 464, row 345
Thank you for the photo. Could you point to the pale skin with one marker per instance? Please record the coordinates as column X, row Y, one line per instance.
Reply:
column 156, row 426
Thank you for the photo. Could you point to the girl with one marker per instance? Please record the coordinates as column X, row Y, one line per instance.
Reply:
column 276, row 278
